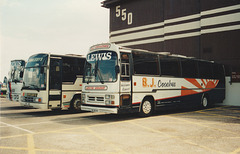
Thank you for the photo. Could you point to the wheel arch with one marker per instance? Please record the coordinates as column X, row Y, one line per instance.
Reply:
column 206, row 94
column 77, row 95
column 151, row 98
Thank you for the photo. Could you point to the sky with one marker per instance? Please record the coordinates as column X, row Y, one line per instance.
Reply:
column 29, row 27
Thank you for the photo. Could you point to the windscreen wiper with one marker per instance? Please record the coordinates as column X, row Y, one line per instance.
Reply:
column 88, row 80
column 25, row 87
column 98, row 73
column 15, row 80
column 35, row 87
column 100, row 76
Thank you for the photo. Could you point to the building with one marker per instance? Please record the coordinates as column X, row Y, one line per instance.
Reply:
column 205, row 29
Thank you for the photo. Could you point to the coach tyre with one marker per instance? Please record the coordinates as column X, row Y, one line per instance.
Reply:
column 76, row 104
column 204, row 102
column 146, row 107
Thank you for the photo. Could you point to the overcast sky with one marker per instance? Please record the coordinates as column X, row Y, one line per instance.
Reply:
column 57, row 26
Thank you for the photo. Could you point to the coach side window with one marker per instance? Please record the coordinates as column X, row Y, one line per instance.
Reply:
column 170, row 66
column 205, row 70
column 145, row 63
column 125, row 69
column 189, row 68
column 218, row 71
column 79, row 67
column 71, row 68
column 68, row 66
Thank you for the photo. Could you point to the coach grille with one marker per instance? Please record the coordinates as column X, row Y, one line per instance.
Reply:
column 95, row 99
column 28, row 99
column 91, row 99
column 100, row 99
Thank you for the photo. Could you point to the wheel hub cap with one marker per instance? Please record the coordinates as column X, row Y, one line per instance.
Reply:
column 146, row 107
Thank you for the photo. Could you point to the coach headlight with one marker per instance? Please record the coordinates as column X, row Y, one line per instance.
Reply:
column 83, row 98
column 112, row 97
column 109, row 99
column 107, row 102
column 22, row 98
column 107, row 96
column 37, row 100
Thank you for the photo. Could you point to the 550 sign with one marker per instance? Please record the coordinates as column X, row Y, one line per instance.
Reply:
column 124, row 15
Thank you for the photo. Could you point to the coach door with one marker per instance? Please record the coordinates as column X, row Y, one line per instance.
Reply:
column 55, row 82
column 125, row 81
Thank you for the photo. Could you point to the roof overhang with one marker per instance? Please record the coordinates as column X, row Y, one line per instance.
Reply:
column 109, row 3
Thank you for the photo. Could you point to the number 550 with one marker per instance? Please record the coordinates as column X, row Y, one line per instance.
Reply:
column 124, row 15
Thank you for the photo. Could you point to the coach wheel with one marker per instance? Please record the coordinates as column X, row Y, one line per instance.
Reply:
column 146, row 107
column 76, row 104
column 204, row 102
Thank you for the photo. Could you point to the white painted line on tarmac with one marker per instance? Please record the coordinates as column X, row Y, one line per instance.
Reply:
column 44, row 122
column 17, row 127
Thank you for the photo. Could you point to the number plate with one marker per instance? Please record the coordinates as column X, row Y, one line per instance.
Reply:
column 94, row 110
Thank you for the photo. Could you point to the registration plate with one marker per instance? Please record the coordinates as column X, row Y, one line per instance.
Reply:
column 27, row 104
column 94, row 110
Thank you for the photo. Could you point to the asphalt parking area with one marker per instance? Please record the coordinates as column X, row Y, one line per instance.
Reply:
column 23, row 130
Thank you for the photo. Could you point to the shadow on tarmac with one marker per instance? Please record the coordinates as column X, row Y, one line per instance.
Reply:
column 94, row 118
column 226, row 114
column 215, row 114
column 34, row 112
column 14, row 108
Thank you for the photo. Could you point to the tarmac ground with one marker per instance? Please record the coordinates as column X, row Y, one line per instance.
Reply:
column 35, row 131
